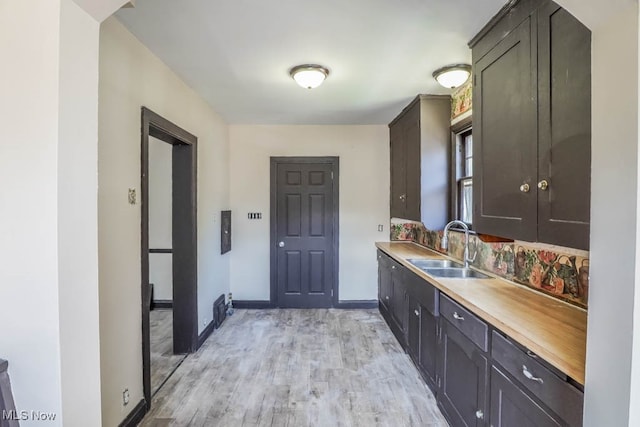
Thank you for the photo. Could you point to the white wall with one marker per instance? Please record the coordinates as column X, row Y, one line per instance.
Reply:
column 29, row 36
column 132, row 77
column 160, row 218
column 364, row 200
column 614, row 180
column 611, row 336
column 48, row 222
column 78, row 217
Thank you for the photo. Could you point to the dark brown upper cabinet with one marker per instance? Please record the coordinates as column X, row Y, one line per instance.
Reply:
column 564, row 128
column 419, row 144
column 532, row 125
column 505, row 140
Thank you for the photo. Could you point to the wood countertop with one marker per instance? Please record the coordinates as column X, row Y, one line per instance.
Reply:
column 554, row 330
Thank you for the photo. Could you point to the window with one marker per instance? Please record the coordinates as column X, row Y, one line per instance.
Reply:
column 462, row 173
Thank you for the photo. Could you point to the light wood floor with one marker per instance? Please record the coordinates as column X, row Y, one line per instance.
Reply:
column 297, row 368
column 163, row 361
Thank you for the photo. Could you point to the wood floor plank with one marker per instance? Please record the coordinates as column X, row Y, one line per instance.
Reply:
column 163, row 361
column 297, row 368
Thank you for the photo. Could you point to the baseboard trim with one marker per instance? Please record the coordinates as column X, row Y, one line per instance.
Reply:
column 357, row 304
column 205, row 334
column 252, row 304
column 136, row 415
column 162, row 303
column 346, row 304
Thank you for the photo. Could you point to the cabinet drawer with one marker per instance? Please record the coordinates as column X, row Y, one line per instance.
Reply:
column 560, row 396
column 470, row 325
column 424, row 292
column 382, row 257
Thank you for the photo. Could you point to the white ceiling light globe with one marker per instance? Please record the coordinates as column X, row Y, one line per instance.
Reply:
column 309, row 76
column 453, row 76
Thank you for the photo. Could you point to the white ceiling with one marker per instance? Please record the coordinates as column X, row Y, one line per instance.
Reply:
column 237, row 53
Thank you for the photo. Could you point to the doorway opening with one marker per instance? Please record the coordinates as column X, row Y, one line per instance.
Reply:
column 304, row 232
column 169, row 245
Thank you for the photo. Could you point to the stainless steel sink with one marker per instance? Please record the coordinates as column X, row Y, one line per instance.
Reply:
column 434, row 263
column 455, row 273
column 446, row 268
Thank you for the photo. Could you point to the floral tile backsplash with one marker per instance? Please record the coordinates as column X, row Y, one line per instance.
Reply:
column 560, row 272
column 461, row 99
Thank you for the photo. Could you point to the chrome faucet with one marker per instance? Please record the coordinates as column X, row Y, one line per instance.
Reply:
column 444, row 243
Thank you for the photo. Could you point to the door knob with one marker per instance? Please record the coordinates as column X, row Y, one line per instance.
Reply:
column 416, row 312
column 403, row 197
column 543, row 185
column 281, row 244
column 525, row 188
column 479, row 414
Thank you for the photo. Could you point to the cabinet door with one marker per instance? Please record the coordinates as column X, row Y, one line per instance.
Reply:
column 428, row 346
column 564, row 76
column 512, row 407
column 463, row 371
column 411, row 135
column 384, row 281
column 413, row 329
column 505, row 137
column 399, row 300
column 398, row 170
column 422, row 340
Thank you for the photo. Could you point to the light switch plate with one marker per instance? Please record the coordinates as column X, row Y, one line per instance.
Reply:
column 132, row 196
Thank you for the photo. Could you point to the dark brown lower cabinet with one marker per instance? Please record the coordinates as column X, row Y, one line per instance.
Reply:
column 384, row 282
column 399, row 301
column 413, row 329
column 422, row 340
column 512, row 407
column 463, row 377
column 392, row 295
column 504, row 386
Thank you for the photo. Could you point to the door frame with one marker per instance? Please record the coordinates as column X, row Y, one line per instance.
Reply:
column 184, row 238
column 334, row 161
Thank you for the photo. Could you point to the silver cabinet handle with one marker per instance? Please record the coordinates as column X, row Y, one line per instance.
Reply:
column 281, row 244
column 457, row 316
column 530, row 376
column 387, row 297
column 531, row 354
column 393, row 267
column 525, row 188
column 479, row 414
column 417, row 313
column 543, row 185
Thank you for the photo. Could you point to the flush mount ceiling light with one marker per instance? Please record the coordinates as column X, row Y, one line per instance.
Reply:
column 309, row 76
column 452, row 76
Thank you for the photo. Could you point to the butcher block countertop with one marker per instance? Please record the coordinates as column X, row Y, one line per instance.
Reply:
column 554, row 330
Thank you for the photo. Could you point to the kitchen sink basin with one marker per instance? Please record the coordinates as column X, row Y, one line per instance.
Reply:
column 455, row 273
column 446, row 268
column 434, row 263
